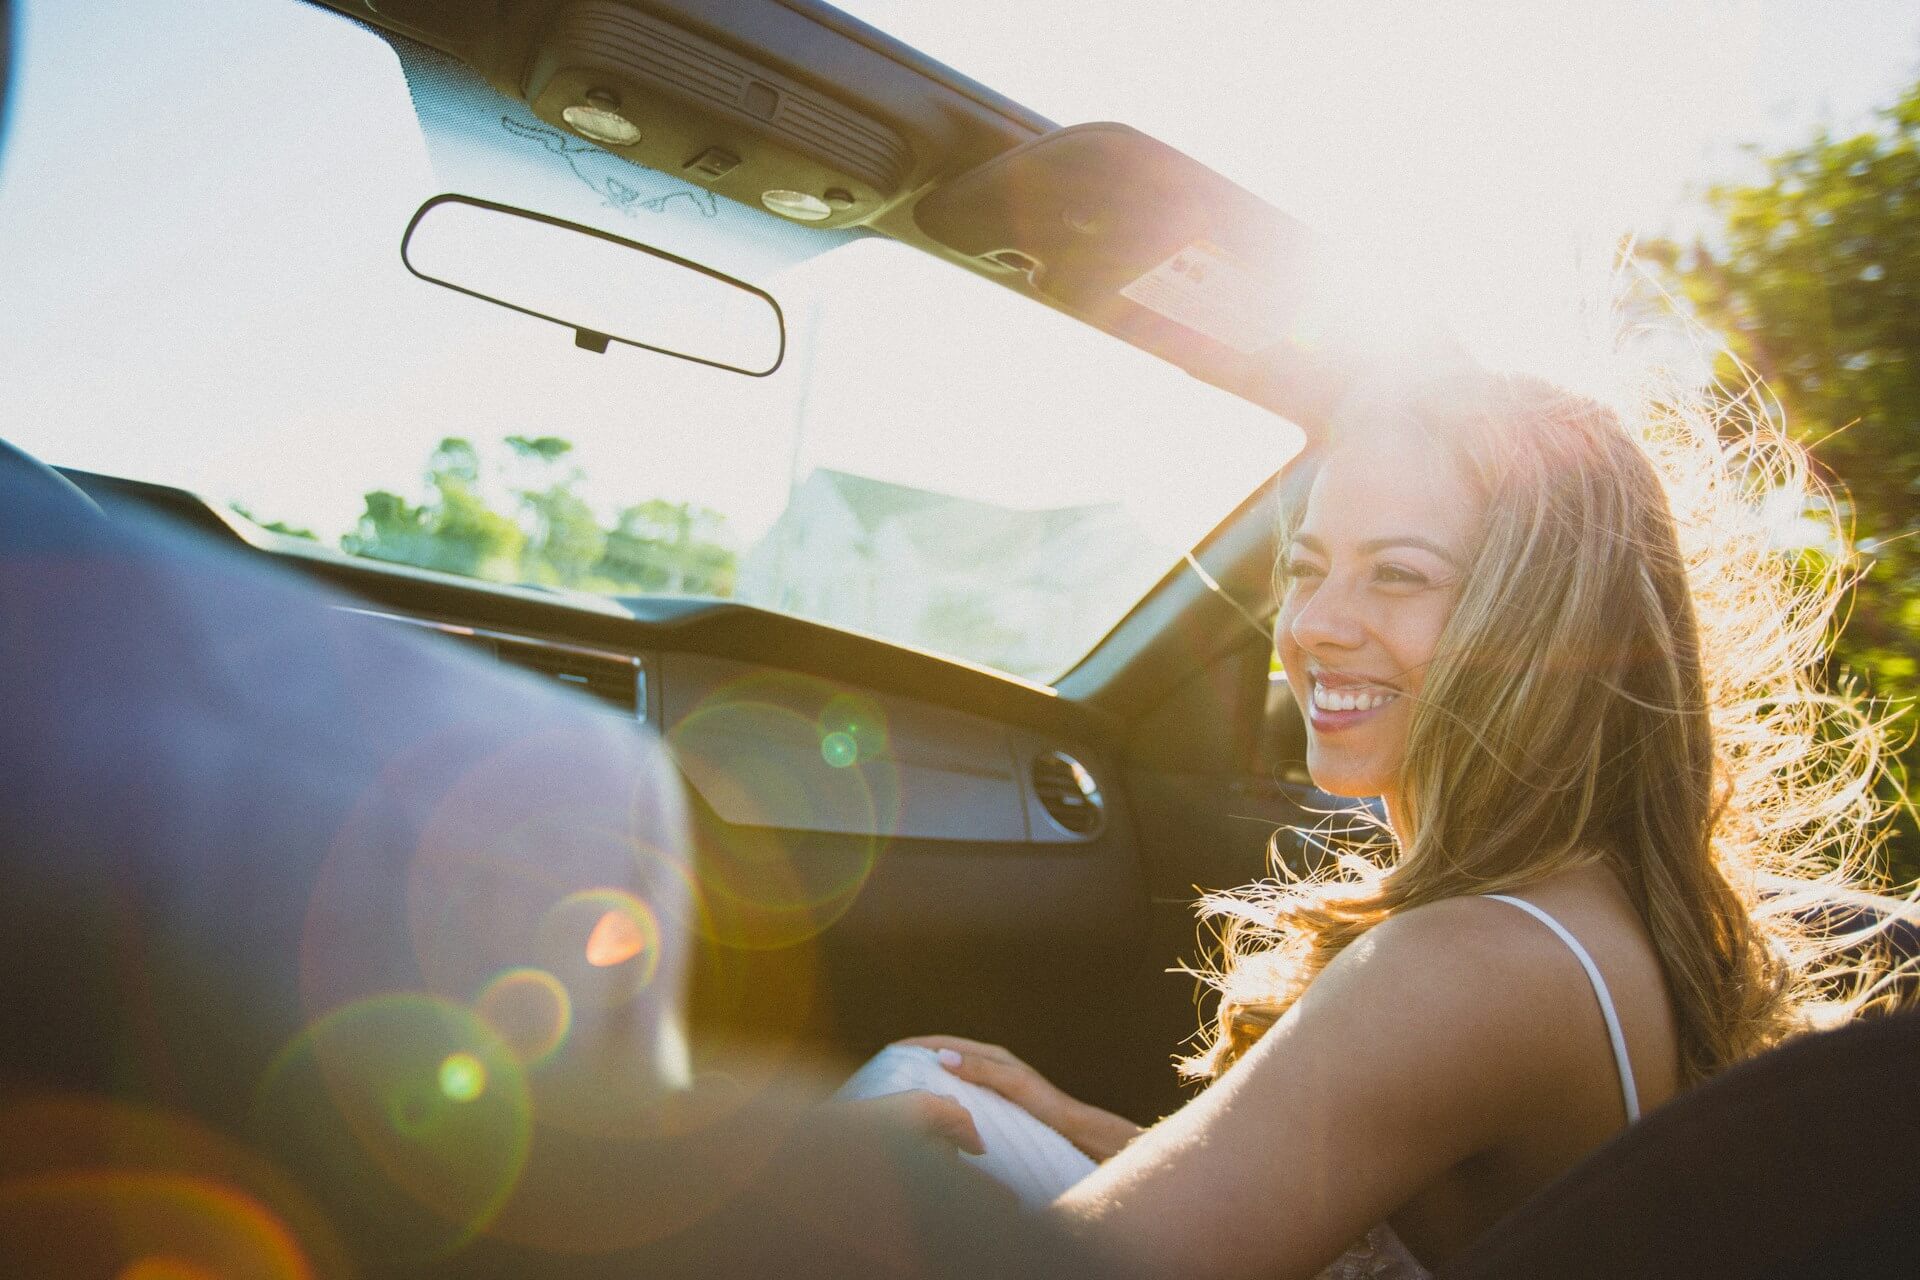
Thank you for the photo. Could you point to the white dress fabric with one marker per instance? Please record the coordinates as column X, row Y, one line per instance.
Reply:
column 1023, row 1152
column 1380, row 1254
column 1038, row 1163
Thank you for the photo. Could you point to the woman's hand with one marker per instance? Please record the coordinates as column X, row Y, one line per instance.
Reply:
column 1098, row 1133
column 924, row 1114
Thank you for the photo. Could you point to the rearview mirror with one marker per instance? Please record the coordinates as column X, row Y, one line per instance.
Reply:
column 604, row 288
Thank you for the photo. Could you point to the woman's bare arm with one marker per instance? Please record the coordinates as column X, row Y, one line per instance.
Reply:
column 1434, row 1038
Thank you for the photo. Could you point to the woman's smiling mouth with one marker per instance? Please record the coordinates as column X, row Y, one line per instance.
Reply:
column 1341, row 704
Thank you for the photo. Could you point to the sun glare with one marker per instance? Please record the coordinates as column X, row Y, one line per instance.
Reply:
column 1483, row 160
column 1354, row 301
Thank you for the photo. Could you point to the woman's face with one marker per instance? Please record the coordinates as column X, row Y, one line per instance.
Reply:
column 1367, row 584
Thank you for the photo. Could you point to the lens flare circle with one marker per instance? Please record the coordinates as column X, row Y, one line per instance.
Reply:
column 411, row 1090
column 602, row 945
column 462, row 1077
column 617, row 937
column 530, row 1010
column 98, row 1187
column 857, row 718
column 801, row 795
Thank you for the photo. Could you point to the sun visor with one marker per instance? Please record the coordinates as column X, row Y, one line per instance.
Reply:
column 1131, row 235
column 483, row 143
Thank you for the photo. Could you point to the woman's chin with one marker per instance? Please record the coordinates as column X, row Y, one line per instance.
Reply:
column 1346, row 778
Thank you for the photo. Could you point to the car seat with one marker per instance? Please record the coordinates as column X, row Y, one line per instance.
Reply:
column 1799, row 1163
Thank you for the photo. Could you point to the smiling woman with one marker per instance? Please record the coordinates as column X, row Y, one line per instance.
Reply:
column 1533, row 680
column 1367, row 596
column 1566, row 656
column 1558, row 643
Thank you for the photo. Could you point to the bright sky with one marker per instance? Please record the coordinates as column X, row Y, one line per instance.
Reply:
column 229, row 265
column 1483, row 155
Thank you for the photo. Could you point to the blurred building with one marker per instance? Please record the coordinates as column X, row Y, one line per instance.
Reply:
column 1025, row 591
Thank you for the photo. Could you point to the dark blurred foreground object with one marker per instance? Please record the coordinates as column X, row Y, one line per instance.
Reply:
column 1801, row 1163
column 329, row 949
column 6, row 64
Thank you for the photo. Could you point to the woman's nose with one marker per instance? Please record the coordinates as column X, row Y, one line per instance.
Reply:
column 1327, row 619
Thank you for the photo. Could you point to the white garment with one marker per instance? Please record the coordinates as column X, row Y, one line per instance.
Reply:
column 1025, row 1153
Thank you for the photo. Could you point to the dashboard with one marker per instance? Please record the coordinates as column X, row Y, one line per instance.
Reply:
column 950, row 774
column 819, row 747
column 941, row 774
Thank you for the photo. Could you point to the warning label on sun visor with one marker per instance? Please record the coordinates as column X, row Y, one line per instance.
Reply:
column 1204, row 288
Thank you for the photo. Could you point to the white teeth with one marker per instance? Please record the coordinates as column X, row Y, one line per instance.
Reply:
column 1350, row 700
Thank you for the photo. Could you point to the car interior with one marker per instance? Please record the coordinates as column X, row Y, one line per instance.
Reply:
column 896, row 827
column 1010, row 859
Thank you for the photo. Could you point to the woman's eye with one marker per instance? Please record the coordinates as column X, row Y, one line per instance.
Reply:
column 1295, row 570
column 1400, row 575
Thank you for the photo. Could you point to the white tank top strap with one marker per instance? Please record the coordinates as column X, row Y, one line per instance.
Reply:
column 1628, row 1093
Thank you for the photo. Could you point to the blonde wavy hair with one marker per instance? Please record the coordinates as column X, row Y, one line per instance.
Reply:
column 1633, row 675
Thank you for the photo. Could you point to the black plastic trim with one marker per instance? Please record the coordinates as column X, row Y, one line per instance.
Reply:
column 843, row 23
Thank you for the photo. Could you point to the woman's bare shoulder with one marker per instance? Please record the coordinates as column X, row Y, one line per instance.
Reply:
column 1474, row 987
column 1494, row 944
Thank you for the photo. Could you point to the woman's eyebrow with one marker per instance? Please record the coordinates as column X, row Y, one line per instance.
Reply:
column 1410, row 540
column 1372, row 545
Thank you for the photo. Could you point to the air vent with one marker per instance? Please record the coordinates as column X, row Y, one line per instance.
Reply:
column 1068, row 793
column 614, row 678
column 617, row 679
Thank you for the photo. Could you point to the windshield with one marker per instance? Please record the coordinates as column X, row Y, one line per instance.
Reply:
column 204, row 288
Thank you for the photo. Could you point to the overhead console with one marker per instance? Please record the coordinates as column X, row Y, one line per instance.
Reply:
column 792, row 106
column 778, row 104
column 680, row 104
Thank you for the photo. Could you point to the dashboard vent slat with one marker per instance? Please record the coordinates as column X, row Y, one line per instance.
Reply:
column 1068, row 793
column 612, row 678
column 617, row 679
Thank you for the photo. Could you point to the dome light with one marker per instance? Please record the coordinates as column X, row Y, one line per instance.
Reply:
column 797, row 205
column 602, row 125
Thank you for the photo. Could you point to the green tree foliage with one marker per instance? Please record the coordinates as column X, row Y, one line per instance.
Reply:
column 547, row 534
column 1816, row 286
column 671, row 548
column 453, row 530
column 565, row 540
column 545, row 448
